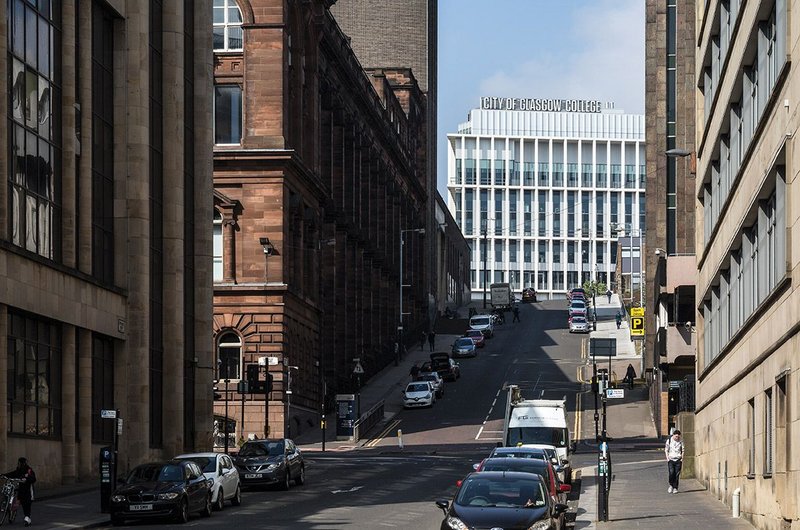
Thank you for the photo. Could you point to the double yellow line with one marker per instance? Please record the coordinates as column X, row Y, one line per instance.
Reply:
column 385, row 432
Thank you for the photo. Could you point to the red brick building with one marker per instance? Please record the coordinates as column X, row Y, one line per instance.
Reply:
column 318, row 166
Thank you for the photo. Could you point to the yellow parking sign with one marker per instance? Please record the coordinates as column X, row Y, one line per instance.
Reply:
column 637, row 326
column 637, row 311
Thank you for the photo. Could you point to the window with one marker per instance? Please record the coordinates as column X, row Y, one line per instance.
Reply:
column 768, row 433
column 34, row 127
column 229, row 356
column 556, row 251
column 103, row 146
column 227, row 26
column 34, row 376
column 485, row 179
column 227, row 114
column 498, row 251
column 499, row 200
column 512, row 212
column 217, row 246
column 751, row 434
column 499, row 172
column 102, row 387
column 570, row 252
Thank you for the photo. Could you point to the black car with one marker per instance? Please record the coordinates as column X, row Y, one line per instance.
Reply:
column 270, row 463
column 495, row 499
column 528, row 295
column 172, row 489
column 442, row 364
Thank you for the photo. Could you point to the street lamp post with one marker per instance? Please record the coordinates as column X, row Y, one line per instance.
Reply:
column 289, row 399
column 400, row 322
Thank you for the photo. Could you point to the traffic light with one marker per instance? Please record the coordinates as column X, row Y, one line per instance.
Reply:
column 217, row 395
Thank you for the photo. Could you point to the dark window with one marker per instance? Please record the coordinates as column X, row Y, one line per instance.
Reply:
column 227, row 114
column 102, row 387
column 156, row 228
column 34, row 126
column 34, row 376
column 102, row 145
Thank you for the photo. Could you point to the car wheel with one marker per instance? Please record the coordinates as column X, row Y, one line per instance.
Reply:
column 207, row 508
column 237, row 497
column 301, row 478
column 220, row 504
column 183, row 512
column 285, row 484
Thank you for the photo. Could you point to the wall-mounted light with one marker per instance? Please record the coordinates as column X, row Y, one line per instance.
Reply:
column 269, row 248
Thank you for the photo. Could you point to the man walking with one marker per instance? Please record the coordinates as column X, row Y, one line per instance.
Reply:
column 516, row 314
column 673, row 450
column 431, row 339
column 608, row 295
column 25, row 491
column 422, row 340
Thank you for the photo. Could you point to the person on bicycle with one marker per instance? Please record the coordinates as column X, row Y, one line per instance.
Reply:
column 25, row 491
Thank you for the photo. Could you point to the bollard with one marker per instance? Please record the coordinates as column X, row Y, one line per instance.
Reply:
column 400, row 438
column 735, row 503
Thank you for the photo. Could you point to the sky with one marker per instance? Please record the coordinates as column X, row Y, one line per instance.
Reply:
column 561, row 49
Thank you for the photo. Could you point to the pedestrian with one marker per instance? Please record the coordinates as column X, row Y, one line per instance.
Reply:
column 619, row 319
column 25, row 490
column 516, row 315
column 673, row 450
column 422, row 338
column 432, row 339
column 608, row 295
column 630, row 375
column 414, row 372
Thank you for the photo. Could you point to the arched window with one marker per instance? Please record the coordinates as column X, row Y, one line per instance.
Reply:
column 227, row 26
column 217, row 246
column 229, row 356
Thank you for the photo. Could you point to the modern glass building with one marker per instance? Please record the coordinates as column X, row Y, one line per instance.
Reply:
column 544, row 194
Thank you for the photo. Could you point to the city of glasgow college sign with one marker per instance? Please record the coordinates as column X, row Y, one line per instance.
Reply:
column 547, row 105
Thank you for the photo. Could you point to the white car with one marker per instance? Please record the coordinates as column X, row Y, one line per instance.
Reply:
column 220, row 469
column 578, row 324
column 561, row 466
column 483, row 323
column 436, row 381
column 419, row 394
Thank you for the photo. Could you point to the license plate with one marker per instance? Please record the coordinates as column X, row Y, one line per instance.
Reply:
column 141, row 507
column 253, row 475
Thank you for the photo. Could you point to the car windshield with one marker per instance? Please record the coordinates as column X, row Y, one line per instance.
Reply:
column 501, row 491
column 538, row 455
column 578, row 304
column 156, row 473
column 525, row 465
column 537, row 435
column 262, row 449
column 578, row 320
column 479, row 321
column 465, row 342
column 207, row 463
column 419, row 387
column 427, row 377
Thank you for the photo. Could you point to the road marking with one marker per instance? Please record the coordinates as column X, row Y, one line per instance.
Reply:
column 351, row 490
column 578, row 415
column 479, row 432
column 389, row 428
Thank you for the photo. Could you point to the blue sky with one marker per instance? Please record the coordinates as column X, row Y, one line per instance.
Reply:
column 583, row 49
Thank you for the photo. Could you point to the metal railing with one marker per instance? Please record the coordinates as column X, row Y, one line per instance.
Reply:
column 367, row 420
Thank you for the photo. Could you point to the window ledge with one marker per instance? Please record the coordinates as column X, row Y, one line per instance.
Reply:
column 766, row 475
column 750, row 476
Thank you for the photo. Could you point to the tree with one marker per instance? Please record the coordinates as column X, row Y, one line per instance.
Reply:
column 594, row 288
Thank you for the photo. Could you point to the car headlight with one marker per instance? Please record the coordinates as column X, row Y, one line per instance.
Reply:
column 271, row 467
column 428, row 395
column 168, row 496
column 456, row 524
column 540, row 525
column 118, row 498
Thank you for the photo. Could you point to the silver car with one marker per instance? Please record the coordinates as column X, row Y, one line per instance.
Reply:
column 219, row 468
column 464, row 347
column 578, row 324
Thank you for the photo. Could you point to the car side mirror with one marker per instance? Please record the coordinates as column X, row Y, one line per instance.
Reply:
column 560, row 508
column 564, row 463
column 564, row 488
column 476, row 466
column 443, row 504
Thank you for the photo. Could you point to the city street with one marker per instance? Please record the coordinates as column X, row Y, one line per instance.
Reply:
column 382, row 485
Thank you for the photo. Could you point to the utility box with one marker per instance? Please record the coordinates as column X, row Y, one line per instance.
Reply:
column 108, row 477
column 346, row 415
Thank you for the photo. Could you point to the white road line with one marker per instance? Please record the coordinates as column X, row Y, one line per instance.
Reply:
column 479, row 432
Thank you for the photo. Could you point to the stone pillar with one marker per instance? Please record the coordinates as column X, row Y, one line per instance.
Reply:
column 68, row 390
column 174, row 356
column 69, row 179
column 5, row 462
column 204, row 189
column 229, row 247
column 84, row 174
column 84, row 353
column 4, row 161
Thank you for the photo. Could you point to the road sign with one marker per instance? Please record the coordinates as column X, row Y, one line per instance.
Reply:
column 603, row 347
column 358, row 370
column 268, row 361
column 107, row 414
column 637, row 311
column 615, row 393
column 637, row 326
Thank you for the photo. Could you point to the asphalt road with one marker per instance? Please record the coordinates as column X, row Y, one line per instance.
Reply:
column 381, row 485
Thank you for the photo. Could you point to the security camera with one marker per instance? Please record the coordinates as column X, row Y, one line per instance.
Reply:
column 688, row 325
column 658, row 252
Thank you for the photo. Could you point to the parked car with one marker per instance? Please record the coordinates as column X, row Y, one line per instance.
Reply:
column 270, row 462
column 494, row 500
column 577, row 307
column 578, row 324
column 442, row 364
column 218, row 468
column 464, row 347
column 528, row 295
column 555, row 488
column 561, row 465
column 419, row 394
column 436, row 382
column 172, row 489
column 577, row 292
column 477, row 337
column 482, row 323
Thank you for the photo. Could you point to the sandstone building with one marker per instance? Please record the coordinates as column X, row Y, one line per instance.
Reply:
column 105, row 252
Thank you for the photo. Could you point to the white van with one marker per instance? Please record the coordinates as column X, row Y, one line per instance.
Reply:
column 482, row 323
